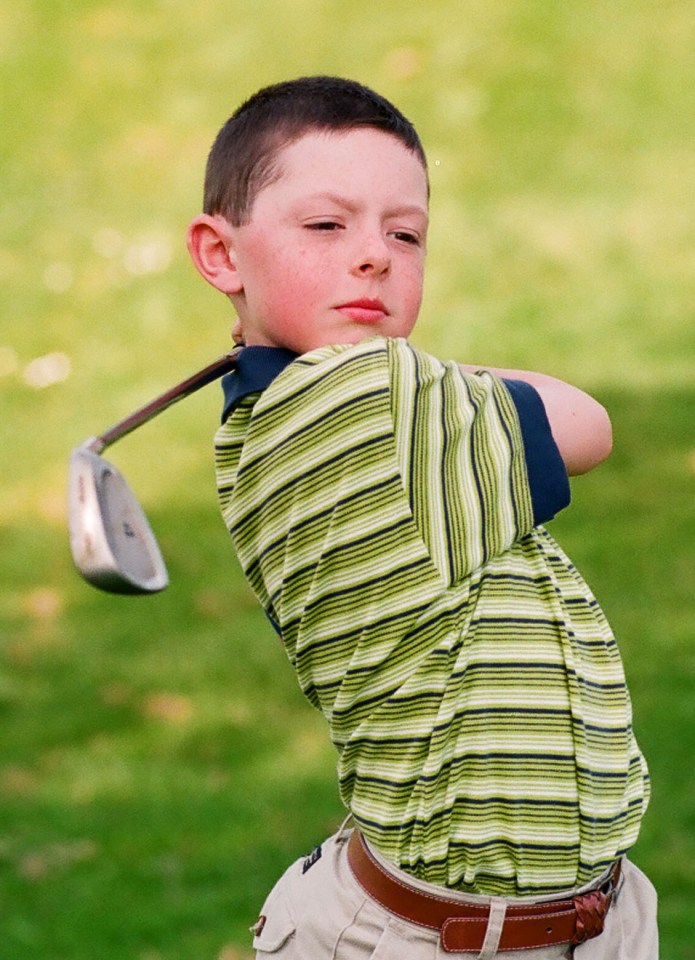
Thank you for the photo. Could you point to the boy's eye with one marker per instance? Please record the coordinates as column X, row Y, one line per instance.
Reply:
column 405, row 236
column 323, row 225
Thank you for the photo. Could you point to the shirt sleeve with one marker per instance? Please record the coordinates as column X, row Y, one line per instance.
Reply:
column 462, row 453
column 547, row 476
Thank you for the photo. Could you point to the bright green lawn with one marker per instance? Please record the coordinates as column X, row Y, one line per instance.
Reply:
column 158, row 767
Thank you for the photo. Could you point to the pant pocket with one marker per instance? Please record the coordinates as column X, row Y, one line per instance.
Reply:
column 274, row 933
column 277, row 933
column 374, row 935
column 396, row 942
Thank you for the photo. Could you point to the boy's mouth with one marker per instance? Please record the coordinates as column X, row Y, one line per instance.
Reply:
column 364, row 310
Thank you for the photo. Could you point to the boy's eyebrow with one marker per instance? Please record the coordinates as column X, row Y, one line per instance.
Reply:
column 397, row 209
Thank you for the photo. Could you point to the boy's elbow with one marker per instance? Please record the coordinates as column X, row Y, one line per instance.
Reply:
column 594, row 445
column 606, row 436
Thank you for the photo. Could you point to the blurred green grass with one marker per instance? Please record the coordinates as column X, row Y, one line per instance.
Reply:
column 158, row 767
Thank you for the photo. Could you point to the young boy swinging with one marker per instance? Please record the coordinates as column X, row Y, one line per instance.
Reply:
column 387, row 509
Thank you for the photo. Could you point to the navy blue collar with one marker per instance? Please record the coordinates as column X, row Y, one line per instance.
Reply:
column 256, row 369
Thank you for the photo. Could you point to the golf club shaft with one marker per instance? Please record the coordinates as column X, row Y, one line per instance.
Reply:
column 212, row 372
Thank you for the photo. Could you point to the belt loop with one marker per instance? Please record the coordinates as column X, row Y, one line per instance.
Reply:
column 493, row 934
column 345, row 829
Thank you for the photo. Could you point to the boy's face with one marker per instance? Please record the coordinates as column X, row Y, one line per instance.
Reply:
column 334, row 250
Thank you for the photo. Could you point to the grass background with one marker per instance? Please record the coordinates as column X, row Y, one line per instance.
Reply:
column 158, row 767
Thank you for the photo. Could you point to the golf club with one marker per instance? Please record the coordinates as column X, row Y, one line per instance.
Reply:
column 112, row 544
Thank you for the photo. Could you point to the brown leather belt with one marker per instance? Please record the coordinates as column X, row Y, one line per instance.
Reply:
column 463, row 925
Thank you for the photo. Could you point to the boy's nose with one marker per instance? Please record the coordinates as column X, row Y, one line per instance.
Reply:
column 373, row 257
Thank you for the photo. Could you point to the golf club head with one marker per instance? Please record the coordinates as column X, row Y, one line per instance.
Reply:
column 111, row 541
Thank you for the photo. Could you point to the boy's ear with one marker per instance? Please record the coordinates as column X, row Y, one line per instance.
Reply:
column 209, row 241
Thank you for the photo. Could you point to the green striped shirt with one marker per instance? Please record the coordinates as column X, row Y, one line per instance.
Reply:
column 381, row 508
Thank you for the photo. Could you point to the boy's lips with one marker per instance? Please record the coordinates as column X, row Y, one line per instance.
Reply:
column 364, row 310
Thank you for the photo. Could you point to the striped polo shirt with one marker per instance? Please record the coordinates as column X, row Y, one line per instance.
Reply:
column 387, row 511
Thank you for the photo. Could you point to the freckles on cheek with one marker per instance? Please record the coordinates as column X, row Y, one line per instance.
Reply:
column 300, row 281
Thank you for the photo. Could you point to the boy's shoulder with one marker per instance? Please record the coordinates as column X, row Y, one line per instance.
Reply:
column 378, row 362
column 393, row 353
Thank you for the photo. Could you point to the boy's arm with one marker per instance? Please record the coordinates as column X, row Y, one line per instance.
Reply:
column 580, row 425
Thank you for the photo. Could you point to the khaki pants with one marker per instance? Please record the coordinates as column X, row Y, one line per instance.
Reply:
column 318, row 911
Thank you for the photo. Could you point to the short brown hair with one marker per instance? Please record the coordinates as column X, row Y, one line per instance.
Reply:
column 244, row 156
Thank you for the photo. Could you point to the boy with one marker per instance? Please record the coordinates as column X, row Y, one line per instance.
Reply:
column 387, row 510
